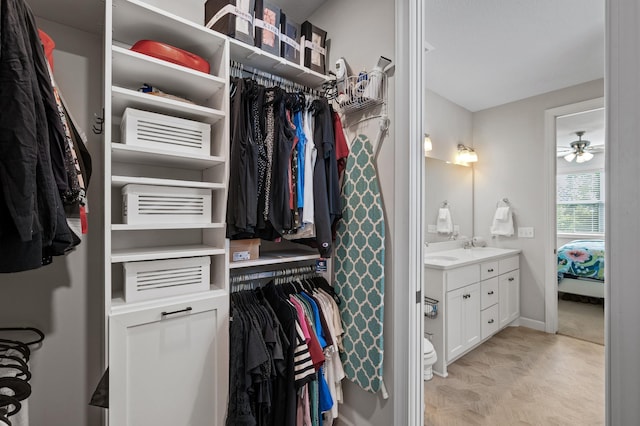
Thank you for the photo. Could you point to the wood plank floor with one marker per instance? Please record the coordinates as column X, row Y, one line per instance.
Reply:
column 521, row 377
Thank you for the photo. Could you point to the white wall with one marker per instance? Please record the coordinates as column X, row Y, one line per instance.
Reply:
column 623, row 210
column 448, row 124
column 361, row 31
column 64, row 299
column 509, row 140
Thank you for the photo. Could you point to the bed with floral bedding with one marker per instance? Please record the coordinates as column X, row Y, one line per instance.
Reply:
column 581, row 268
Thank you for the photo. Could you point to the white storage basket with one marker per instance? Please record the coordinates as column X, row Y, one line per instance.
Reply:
column 165, row 204
column 163, row 278
column 165, row 132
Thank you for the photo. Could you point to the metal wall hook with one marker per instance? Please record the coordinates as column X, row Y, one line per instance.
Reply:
column 98, row 126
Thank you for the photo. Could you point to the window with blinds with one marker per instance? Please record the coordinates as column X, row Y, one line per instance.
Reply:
column 580, row 203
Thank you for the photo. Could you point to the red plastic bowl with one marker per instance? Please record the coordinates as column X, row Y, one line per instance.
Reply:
column 171, row 54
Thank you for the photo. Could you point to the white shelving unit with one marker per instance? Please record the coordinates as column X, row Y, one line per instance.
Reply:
column 136, row 329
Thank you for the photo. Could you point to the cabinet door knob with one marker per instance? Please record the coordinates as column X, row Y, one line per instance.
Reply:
column 511, row 278
column 491, row 321
column 490, row 293
column 490, row 270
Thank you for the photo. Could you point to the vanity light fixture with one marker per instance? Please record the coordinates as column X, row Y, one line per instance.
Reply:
column 427, row 145
column 466, row 155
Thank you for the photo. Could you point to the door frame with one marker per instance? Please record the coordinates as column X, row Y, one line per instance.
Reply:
column 551, row 279
column 409, row 163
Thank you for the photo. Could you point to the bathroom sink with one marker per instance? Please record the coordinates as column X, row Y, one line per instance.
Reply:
column 454, row 258
column 441, row 258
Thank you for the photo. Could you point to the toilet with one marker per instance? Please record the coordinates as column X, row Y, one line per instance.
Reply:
column 429, row 358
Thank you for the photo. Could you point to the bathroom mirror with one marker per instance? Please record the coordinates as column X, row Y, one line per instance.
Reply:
column 445, row 181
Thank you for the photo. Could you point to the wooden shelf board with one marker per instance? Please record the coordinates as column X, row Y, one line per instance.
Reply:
column 143, row 155
column 118, row 181
column 122, row 98
column 155, row 253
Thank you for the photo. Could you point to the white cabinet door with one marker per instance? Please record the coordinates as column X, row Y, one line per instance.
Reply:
column 471, row 313
column 509, row 297
column 169, row 364
column 455, row 318
column 463, row 319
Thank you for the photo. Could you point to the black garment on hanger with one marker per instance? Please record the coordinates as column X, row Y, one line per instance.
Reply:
column 284, row 390
column 242, row 196
column 32, row 174
column 326, row 193
column 284, row 134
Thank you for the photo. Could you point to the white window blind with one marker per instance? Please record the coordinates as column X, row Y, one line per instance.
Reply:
column 580, row 203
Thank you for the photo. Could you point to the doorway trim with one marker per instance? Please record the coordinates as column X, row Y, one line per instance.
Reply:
column 551, row 280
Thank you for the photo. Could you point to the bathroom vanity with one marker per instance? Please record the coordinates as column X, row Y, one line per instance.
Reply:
column 479, row 293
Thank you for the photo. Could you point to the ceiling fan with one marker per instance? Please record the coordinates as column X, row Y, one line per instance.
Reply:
column 580, row 150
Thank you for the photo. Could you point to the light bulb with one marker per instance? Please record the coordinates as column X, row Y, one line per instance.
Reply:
column 569, row 157
column 427, row 145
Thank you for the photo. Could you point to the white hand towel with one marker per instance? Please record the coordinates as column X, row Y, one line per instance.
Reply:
column 444, row 224
column 502, row 213
column 502, row 226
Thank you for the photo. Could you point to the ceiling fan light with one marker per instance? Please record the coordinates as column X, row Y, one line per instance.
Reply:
column 570, row 156
column 584, row 157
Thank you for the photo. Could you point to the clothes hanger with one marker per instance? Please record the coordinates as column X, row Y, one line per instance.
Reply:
column 323, row 284
column 40, row 334
column 8, row 345
column 5, row 402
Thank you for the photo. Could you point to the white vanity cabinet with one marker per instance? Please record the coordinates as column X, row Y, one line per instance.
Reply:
column 479, row 294
column 509, row 290
column 463, row 325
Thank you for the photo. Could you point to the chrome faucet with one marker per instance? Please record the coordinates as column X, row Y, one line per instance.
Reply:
column 468, row 244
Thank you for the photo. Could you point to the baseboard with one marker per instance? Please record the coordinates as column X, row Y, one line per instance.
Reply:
column 530, row 323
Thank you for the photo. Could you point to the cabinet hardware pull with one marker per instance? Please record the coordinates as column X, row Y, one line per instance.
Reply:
column 185, row 310
column 491, row 321
column 511, row 278
column 490, row 270
column 490, row 293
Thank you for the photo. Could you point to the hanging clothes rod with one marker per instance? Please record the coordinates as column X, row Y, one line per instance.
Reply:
column 280, row 273
column 242, row 70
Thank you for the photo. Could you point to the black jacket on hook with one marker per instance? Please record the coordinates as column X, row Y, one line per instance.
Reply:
column 32, row 175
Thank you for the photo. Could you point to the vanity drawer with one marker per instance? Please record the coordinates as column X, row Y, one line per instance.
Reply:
column 488, row 270
column 509, row 264
column 489, row 292
column 460, row 277
column 490, row 318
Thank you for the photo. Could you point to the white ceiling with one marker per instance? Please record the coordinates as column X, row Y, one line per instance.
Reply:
column 492, row 52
